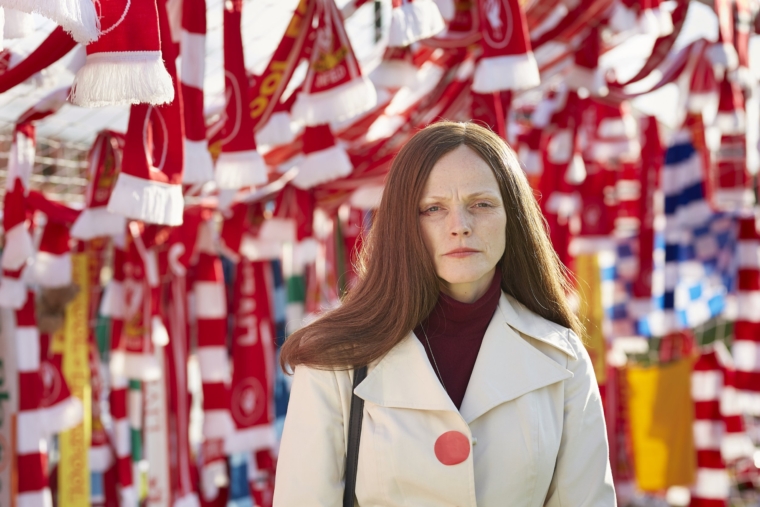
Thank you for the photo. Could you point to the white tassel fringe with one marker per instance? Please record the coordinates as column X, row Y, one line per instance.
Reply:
column 322, row 166
column 52, row 270
column 117, row 78
column 153, row 202
column 278, row 130
column 514, row 72
column 415, row 21
column 97, row 222
column 395, row 74
column 240, row 169
column 19, row 247
column 340, row 103
column 199, row 168
column 78, row 17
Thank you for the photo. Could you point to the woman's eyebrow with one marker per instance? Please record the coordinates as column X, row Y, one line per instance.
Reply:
column 480, row 193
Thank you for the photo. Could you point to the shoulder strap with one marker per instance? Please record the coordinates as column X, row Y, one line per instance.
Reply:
column 354, row 435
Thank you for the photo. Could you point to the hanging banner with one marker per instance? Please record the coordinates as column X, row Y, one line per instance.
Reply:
column 74, row 469
column 591, row 313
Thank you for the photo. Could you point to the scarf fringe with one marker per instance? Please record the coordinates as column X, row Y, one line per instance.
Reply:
column 510, row 72
column 135, row 365
column 19, row 247
column 591, row 80
column 13, row 292
column 367, row 197
column 52, row 270
column 395, row 74
column 97, row 222
column 77, row 17
column 151, row 201
column 337, row 104
column 278, row 130
column 250, row 439
column 530, row 160
column 116, row 78
column 199, row 168
column 322, row 166
column 112, row 304
column 411, row 22
column 235, row 170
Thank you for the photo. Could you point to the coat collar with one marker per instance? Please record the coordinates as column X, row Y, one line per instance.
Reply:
column 507, row 367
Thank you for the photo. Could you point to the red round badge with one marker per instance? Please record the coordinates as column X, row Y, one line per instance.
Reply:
column 452, row 448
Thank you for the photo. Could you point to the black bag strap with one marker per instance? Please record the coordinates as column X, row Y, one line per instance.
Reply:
column 354, row 436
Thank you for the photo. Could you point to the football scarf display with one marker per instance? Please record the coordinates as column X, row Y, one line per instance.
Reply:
column 334, row 88
column 585, row 73
column 77, row 17
column 149, row 188
column 198, row 165
column 103, row 166
column 397, row 69
column 414, row 20
column 125, row 65
column 507, row 62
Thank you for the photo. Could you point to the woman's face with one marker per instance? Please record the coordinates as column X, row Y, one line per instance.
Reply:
column 463, row 223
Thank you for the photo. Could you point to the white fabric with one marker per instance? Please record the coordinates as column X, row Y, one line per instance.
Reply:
column 414, row 21
column 532, row 392
column 210, row 300
column 235, row 170
column 214, row 364
column 193, row 69
column 151, row 201
column 97, row 222
column 52, row 270
column 513, row 72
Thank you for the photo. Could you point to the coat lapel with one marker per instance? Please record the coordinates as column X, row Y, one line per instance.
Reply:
column 506, row 368
column 404, row 378
column 507, row 365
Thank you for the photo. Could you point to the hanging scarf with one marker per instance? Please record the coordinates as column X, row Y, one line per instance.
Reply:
column 239, row 164
column 10, row 402
column 334, row 88
column 31, row 457
column 113, row 306
column 198, row 165
column 103, row 166
column 585, row 73
column 712, row 482
column 507, row 62
column 211, row 316
column 150, row 188
column 124, row 66
column 747, row 326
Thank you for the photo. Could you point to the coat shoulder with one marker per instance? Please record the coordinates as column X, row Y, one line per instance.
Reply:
column 534, row 326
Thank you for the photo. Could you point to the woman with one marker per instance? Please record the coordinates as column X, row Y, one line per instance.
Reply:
column 479, row 391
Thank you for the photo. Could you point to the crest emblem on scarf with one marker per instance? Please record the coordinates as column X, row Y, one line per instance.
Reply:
column 247, row 401
column 499, row 23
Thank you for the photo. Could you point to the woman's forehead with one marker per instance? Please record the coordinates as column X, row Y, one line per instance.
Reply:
column 461, row 170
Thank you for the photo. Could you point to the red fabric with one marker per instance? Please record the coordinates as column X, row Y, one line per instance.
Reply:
column 237, row 133
column 194, row 22
column 55, row 211
column 503, row 28
column 135, row 30
column 14, row 207
column 32, row 472
column 103, row 170
column 332, row 61
column 253, row 348
column 317, row 138
column 268, row 88
column 298, row 205
column 710, row 458
column 55, row 238
column 455, row 331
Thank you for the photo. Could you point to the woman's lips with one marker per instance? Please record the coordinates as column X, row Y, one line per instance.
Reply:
column 461, row 252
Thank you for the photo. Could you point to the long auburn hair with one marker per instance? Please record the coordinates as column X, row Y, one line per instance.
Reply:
column 397, row 286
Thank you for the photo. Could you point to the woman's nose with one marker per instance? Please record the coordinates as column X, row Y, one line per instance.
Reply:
column 460, row 222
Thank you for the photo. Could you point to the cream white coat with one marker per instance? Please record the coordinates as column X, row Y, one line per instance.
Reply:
column 532, row 412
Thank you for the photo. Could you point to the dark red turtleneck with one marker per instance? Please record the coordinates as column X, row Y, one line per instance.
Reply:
column 455, row 331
